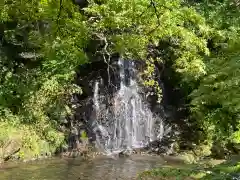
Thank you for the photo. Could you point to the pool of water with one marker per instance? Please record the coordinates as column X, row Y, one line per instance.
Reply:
column 104, row 168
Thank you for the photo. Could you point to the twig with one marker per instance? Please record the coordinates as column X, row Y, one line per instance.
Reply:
column 145, row 10
column 60, row 10
column 10, row 156
column 157, row 15
column 155, row 10
column 105, row 51
column 59, row 14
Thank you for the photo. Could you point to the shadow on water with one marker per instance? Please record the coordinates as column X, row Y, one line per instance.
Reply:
column 77, row 169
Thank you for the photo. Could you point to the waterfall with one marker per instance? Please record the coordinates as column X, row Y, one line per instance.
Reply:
column 127, row 122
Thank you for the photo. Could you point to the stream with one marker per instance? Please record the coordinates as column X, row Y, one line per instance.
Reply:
column 102, row 168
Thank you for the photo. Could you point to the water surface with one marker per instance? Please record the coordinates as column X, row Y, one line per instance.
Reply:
column 103, row 168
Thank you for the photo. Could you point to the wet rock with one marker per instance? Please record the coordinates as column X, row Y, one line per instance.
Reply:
column 235, row 176
column 137, row 151
column 125, row 153
column 11, row 155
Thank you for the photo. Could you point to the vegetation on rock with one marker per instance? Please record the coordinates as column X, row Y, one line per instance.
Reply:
column 205, row 171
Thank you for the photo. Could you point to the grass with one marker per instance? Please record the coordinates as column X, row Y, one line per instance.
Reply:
column 202, row 171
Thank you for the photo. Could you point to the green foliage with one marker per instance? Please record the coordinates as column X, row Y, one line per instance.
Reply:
column 83, row 135
column 131, row 25
column 25, row 137
column 215, row 103
column 221, row 14
column 42, row 44
column 148, row 80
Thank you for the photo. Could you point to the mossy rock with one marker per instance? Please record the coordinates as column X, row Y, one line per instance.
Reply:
column 168, row 173
column 222, row 170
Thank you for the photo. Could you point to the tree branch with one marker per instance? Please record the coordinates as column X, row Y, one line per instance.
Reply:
column 59, row 14
column 105, row 53
column 157, row 15
column 155, row 10
column 60, row 10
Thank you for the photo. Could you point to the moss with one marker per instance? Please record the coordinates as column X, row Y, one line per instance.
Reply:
column 222, row 171
column 189, row 157
column 167, row 173
column 24, row 137
column 203, row 149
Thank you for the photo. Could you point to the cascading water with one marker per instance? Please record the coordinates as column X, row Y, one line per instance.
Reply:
column 128, row 122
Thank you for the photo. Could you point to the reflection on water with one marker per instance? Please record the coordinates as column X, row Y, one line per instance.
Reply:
column 77, row 169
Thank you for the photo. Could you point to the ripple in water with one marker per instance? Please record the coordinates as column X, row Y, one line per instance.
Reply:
column 77, row 169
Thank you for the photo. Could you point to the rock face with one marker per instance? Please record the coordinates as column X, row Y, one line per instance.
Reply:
column 116, row 112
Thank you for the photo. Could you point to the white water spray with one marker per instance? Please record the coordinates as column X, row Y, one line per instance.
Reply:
column 128, row 123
